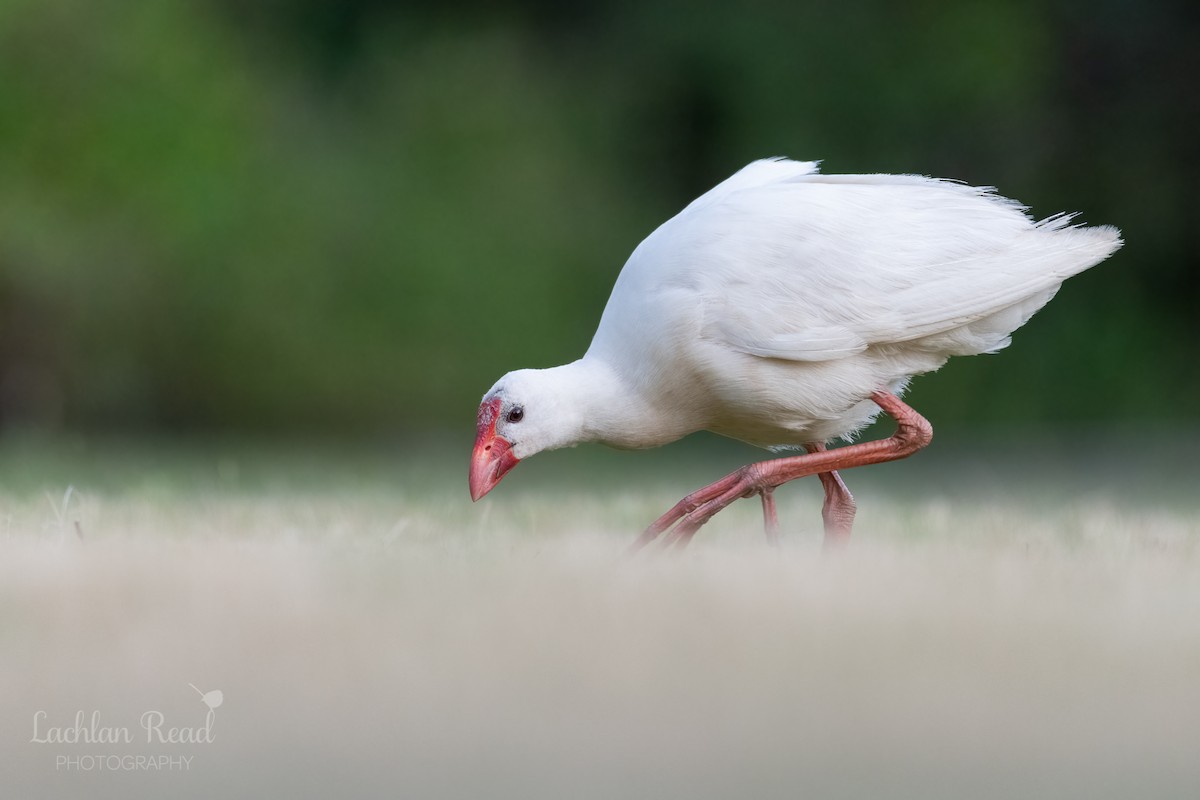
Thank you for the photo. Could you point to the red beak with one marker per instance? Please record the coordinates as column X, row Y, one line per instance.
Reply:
column 493, row 455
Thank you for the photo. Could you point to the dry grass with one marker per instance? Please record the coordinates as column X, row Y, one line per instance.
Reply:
column 372, row 642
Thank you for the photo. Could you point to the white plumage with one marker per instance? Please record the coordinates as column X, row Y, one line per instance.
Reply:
column 772, row 306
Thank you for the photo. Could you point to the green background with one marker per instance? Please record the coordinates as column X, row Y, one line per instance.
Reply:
column 350, row 218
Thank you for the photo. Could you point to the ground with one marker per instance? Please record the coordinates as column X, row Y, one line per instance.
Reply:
column 1014, row 618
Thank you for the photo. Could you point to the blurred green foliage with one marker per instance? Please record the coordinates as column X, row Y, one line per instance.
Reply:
column 352, row 217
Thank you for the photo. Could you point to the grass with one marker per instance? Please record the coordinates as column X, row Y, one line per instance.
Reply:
column 1002, row 626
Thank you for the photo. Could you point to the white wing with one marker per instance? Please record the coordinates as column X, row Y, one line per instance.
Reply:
column 790, row 264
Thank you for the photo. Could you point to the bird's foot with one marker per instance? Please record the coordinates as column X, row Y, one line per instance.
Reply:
column 690, row 514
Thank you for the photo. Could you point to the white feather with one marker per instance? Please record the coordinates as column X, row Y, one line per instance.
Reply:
column 773, row 305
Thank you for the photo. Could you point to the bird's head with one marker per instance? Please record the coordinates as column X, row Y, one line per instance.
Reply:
column 527, row 411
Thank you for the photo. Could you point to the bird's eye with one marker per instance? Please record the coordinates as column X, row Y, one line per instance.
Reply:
column 516, row 415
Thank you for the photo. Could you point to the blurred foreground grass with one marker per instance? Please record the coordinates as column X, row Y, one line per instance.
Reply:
column 1015, row 618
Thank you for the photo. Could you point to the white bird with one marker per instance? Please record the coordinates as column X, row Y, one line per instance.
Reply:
column 785, row 308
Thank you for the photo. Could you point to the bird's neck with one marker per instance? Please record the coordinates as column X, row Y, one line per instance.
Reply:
column 606, row 409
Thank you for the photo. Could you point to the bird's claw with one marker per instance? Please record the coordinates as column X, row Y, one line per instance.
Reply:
column 691, row 513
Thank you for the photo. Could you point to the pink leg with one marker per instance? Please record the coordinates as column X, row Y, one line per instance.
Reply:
column 770, row 517
column 838, row 509
column 688, row 515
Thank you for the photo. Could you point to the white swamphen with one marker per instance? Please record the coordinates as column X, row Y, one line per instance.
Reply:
column 785, row 308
